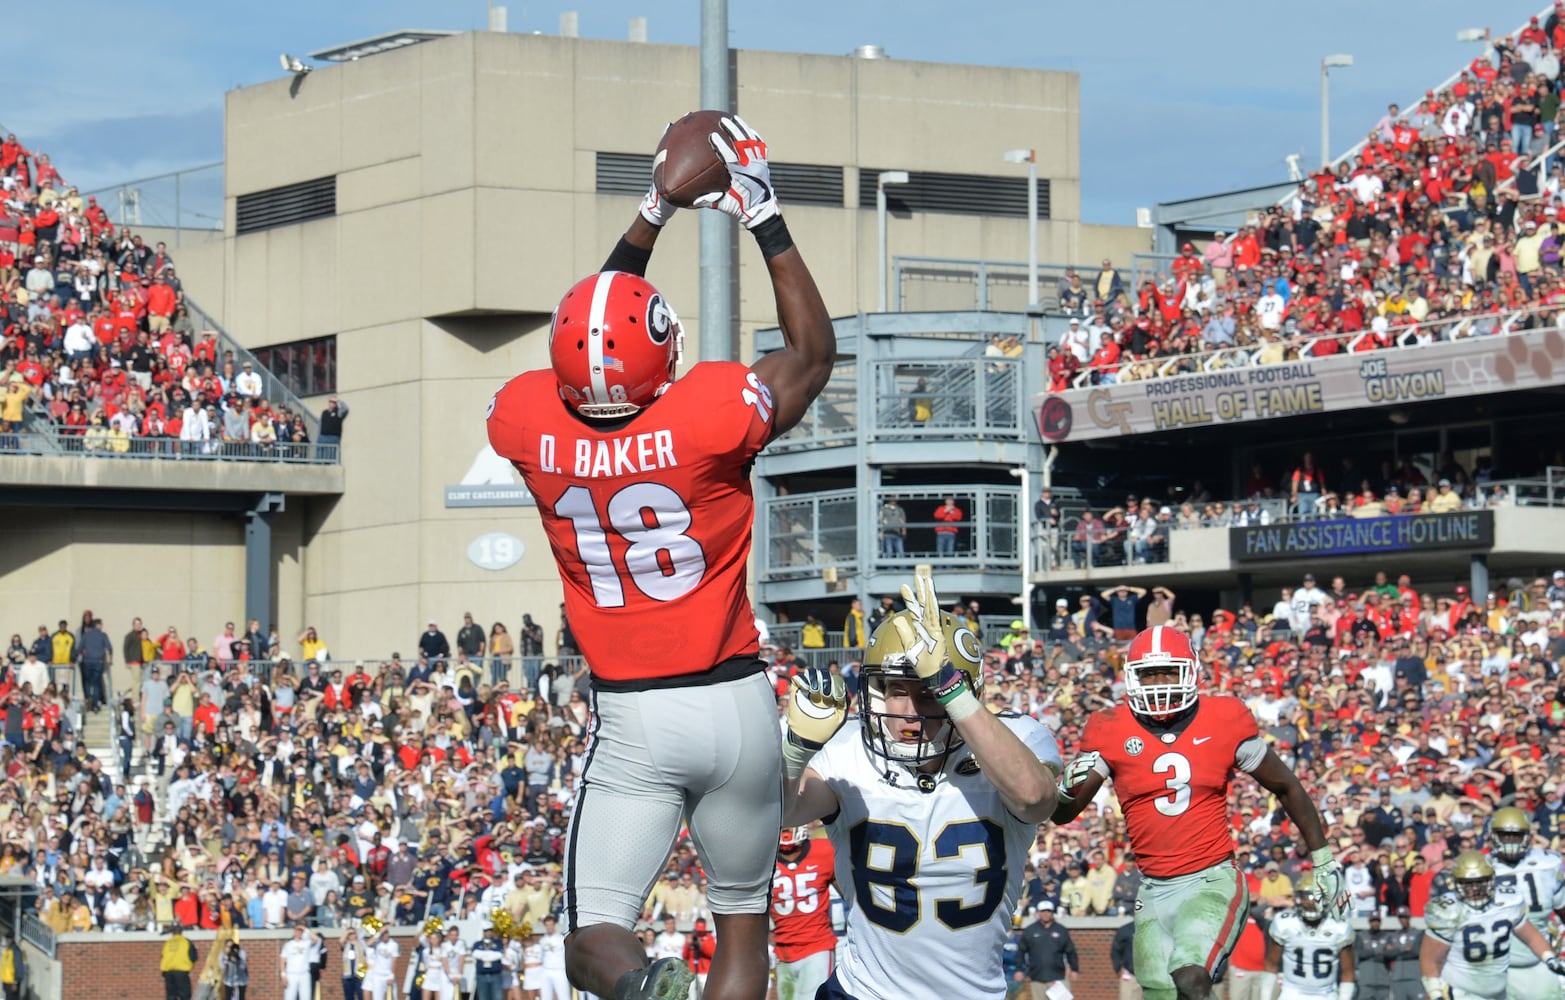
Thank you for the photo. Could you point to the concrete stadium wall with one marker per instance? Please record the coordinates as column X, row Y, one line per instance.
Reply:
column 466, row 203
column 185, row 570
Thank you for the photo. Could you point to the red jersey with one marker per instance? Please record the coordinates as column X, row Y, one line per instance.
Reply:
column 649, row 521
column 801, row 903
column 1174, row 790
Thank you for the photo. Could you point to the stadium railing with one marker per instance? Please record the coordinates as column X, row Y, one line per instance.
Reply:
column 1301, row 347
column 1053, row 549
column 42, row 438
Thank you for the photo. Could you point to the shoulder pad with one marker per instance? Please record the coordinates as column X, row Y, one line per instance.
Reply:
column 1286, row 924
column 1443, row 914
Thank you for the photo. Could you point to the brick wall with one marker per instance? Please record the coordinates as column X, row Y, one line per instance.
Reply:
column 125, row 966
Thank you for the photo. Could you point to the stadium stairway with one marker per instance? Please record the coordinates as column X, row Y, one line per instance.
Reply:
column 96, row 731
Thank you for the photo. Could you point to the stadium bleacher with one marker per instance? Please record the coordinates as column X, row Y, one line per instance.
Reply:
column 102, row 355
column 1446, row 221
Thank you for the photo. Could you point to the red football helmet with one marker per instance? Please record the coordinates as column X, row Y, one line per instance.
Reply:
column 614, row 344
column 793, row 836
column 1159, row 648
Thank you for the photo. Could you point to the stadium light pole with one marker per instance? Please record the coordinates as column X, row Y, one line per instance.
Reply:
column 1024, row 542
column 1030, row 157
column 881, row 180
column 1341, row 59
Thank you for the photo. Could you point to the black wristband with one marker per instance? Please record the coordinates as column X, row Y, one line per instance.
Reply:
column 772, row 237
column 628, row 258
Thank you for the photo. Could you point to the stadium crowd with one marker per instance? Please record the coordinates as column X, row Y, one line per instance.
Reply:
column 299, row 788
column 99, row 342
column 1446, row 222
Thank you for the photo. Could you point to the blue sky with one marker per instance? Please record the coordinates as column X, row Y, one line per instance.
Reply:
column 1177, row 99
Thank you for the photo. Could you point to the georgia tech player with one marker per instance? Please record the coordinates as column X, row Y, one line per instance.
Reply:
column 1313, row 952
column 1539, row 876
column 930, row 801
column 1467, row 941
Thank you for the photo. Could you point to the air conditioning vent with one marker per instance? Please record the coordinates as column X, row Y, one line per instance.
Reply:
column 286, row 205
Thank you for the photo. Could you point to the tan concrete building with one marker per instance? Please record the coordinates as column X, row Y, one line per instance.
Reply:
column 450, row 192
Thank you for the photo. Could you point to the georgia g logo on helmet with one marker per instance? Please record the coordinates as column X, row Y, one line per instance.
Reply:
column 660, row 320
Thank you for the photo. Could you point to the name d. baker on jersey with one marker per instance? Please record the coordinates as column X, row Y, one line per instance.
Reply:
column 621, row 456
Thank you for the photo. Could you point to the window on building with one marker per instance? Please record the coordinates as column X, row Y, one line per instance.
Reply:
column 305, row 367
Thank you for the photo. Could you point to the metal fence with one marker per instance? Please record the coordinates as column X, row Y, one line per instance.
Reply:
column 952, row 284
column 1066, row 548
column 42, row 438
column 962, row 398
column 807, row 534
column 191, row 198
column 1287, row 347
column 833, row 419
column 38, row 934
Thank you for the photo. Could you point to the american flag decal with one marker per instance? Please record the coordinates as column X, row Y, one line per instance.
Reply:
column 614, row 364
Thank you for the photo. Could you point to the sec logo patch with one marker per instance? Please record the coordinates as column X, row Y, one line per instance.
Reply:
column 1134, row 746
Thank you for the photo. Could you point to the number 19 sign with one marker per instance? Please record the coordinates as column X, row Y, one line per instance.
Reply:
column 495, row 551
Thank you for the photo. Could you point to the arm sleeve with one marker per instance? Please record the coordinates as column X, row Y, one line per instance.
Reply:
column 1070, row 953
column 1094, row 737
column 1250, row 753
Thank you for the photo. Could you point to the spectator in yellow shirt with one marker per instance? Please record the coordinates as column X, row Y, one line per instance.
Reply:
column 1276, row 888
column 1445, row 500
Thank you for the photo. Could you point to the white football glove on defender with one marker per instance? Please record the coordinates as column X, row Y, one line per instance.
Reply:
column 817, row 708
column 1076, row 772
column 1330, row 883
column 750, row 197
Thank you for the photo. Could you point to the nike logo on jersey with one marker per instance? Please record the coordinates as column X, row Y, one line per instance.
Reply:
column 1200, row 740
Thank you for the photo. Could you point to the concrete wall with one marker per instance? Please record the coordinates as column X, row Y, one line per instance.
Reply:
column 185, row 570
column 466, row 204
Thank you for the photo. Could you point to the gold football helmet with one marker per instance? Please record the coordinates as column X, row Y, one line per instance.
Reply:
column 1306, row 900
column 886, row 660
column 1510, row 834
column 1473, row 876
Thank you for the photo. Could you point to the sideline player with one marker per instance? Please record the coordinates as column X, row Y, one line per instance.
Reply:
column 1539, row 875
column 1467, row 935
column 643, row 485
column 1172, row 755
column 801, row 913
column 1313, row 952
column 931, row 802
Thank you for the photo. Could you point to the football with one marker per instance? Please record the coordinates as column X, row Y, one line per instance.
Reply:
column 686, row 166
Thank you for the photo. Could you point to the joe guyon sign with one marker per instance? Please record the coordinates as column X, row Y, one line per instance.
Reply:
column 1466, row 529
column 1471, row 367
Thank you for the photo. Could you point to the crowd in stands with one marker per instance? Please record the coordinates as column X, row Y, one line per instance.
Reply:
column 296, row 787
column 99, row 342
column 1446, row 222
column 1138, row 530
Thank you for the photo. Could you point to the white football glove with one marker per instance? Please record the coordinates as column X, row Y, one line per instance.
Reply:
column 1077, row 770
column 750, row 197
column 817, row 708
column 655, row 208
column 1330, row 882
